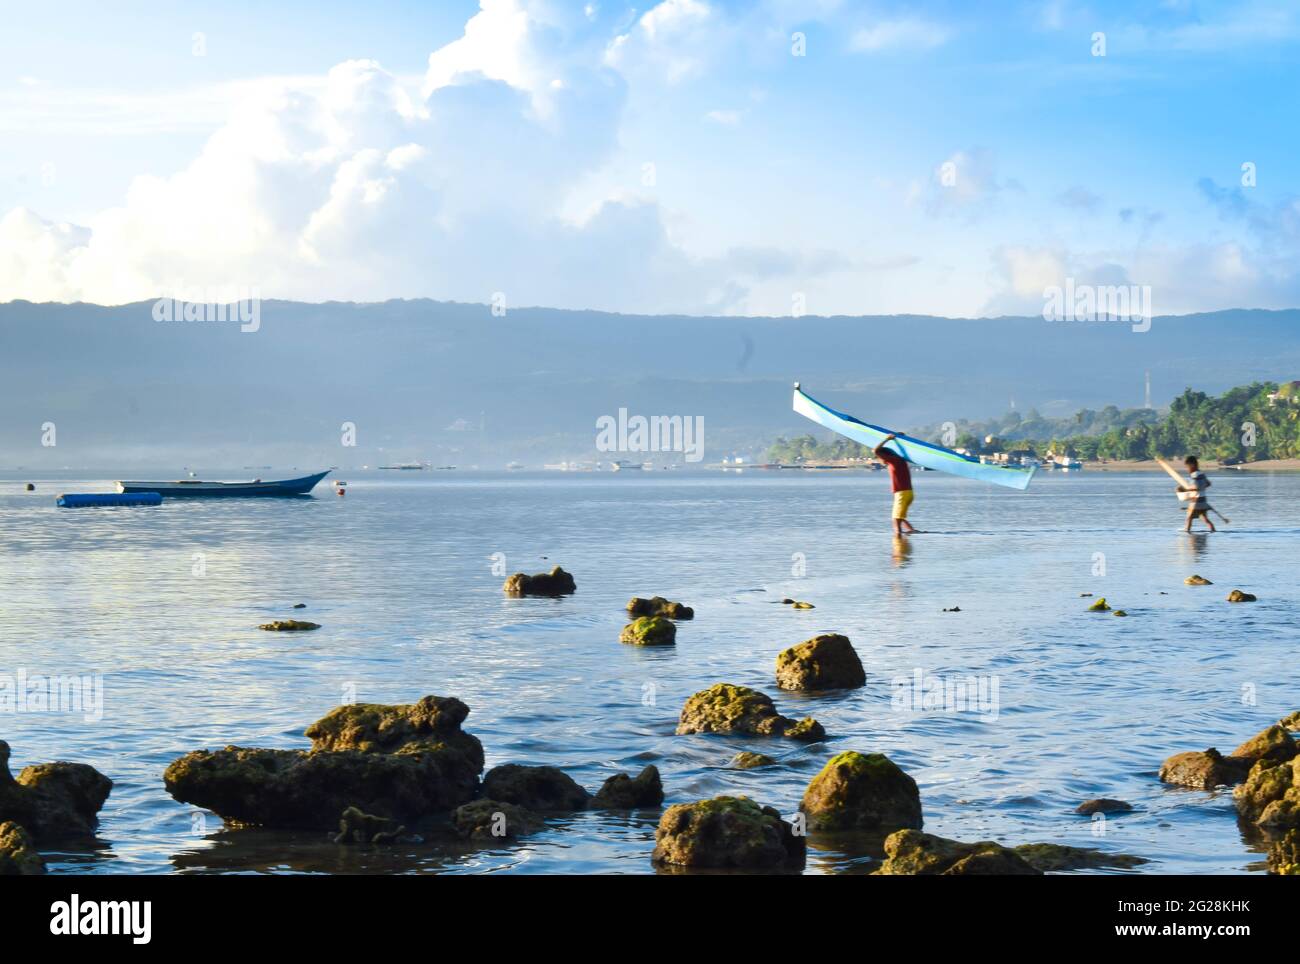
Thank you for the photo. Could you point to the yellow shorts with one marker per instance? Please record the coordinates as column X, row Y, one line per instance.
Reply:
column 902, row 500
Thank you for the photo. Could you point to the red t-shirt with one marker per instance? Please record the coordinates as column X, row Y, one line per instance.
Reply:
column 900, row 476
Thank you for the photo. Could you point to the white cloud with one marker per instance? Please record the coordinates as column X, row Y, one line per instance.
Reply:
column 349, row 186
column 674, row 39
column 727, row 118
column 905, row 34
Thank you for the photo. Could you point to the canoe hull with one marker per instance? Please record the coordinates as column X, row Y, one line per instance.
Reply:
column 219, row 490
column 917, row 451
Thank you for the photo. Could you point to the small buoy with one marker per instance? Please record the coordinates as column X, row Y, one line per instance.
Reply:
column 341, row 491
column 29, row 487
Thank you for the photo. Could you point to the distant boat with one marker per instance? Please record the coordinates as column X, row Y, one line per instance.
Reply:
column 406, row 466
column 194, row 488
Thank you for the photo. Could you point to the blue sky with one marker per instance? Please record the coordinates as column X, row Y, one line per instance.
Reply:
column 944, row 158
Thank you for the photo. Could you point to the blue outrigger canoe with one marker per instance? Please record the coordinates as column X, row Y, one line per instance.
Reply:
column 195, row 489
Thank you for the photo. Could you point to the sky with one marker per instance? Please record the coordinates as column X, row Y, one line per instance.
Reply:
column 687, row 156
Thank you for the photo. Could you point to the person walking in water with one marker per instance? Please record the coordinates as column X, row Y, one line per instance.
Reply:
column 1198, row 505
column 900, row 478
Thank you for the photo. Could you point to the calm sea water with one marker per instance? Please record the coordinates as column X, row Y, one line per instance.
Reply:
column 400, row 574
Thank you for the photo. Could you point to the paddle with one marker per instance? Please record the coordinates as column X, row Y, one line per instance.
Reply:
column 1173, row 474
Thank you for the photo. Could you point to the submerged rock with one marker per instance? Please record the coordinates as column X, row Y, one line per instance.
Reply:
column 659, row 606
column 289, row 626
column 1120, row 612
column 18, row 856
column 365, row 828
column 1197, row 581
column 1056, row 857
column 557, row 582
column 727, row 832
column 862, row 791
column 1099, row 606
column 403, row 762
column 913, row 852
column 1203, row 770
column 51, row 801
column 649, row 631
column 802, row 605
column 622, row 792
column 745, row 760
column 727, row 708
column 1238, row 596
column 1103, row 805
column 534, row 788
column 494, row 820
column 824, row 662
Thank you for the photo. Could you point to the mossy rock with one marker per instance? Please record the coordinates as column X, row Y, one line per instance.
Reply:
column 1270, row 796
column 18, row 856
column 356, row 827
column 802, row 605
column 1120, row 612
column 433, row 723
column 649, row 631
column 659, row 606
column 400, row 762
column 744, row 760
column 1291, row 721
column 1272, row 743
column 52, row 801
column 1197, row 581
column 494, row 820
column 1099, row 606
column 727, row 708
column 289, row 626
column 1237, row 596
column 624, row 792
column 534, row 788
column 862, row 791
column 912, row 852
column 557, row 582
column 295, row 789
column 1284, row 855
column 727, row 832
column 824, row 662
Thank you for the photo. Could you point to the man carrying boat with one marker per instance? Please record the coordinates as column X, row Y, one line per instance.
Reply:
column 900, row 479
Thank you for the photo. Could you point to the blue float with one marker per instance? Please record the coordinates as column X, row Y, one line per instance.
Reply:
column 78, row 500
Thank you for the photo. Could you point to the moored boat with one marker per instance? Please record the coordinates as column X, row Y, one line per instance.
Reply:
column 196, row 488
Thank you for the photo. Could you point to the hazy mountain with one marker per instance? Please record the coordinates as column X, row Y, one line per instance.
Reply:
column 453, row 383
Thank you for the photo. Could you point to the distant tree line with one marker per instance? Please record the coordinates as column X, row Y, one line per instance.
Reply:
column 1250, row 422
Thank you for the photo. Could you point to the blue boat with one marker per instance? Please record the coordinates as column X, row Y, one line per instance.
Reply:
column 196, row 489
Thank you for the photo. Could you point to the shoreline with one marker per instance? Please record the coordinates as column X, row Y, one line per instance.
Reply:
column 1107, row 465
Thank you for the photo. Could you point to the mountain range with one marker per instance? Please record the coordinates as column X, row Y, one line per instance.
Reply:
column 456, row 383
